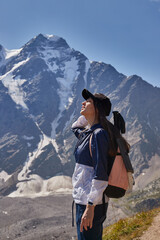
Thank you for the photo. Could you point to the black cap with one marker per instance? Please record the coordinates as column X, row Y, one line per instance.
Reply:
column 101, row 99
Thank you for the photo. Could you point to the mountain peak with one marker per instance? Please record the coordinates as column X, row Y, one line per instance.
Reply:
column 49, row 37
column 43, row 40
column 43, row 37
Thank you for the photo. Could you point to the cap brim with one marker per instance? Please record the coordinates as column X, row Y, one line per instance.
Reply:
column 86, row 94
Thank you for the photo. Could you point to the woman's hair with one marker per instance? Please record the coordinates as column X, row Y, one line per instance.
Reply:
column 109, row 127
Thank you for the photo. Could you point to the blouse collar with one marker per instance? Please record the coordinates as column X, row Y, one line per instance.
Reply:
column 97, row 125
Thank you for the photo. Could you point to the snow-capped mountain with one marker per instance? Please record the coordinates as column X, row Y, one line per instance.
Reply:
column 40, row 97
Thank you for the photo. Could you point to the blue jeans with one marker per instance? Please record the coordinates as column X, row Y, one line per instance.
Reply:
column 95, row 233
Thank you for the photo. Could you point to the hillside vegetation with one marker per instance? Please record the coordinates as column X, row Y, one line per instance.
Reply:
column 130, row 228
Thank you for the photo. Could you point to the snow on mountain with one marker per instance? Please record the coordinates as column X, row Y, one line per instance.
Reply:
column 6, row 55
column 51, row 37
column 70, row 74
column 4, row 176
column 11, row 53
column 14, row 85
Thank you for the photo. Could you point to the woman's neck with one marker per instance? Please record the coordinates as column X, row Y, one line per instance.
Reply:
column 92, row 121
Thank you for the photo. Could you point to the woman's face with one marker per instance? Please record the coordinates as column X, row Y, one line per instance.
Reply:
column 88, row 109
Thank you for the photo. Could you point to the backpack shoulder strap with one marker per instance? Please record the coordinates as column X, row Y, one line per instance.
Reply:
column 90, row 140
column 125, row 155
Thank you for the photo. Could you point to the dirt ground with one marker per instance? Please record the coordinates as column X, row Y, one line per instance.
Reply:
column 153, row 233
column 42, row 218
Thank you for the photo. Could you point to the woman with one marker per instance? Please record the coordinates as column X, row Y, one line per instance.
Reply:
column 90, row 177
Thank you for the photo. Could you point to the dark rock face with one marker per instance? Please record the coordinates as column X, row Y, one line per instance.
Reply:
column 48, row 167
column 15, row 124
column 40, row 97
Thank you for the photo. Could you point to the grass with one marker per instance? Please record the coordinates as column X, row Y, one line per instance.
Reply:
column 130, row 228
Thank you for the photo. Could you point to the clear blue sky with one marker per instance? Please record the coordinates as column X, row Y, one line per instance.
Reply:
column 124, row 33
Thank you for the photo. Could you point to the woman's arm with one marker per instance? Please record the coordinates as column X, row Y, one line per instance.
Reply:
column 99, row 146
column 79, row 125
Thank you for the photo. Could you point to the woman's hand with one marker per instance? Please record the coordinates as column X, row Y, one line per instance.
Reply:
column 81, row 122
column 87, row 218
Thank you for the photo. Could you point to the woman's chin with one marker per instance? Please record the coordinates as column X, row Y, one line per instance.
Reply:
column 82, row 112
